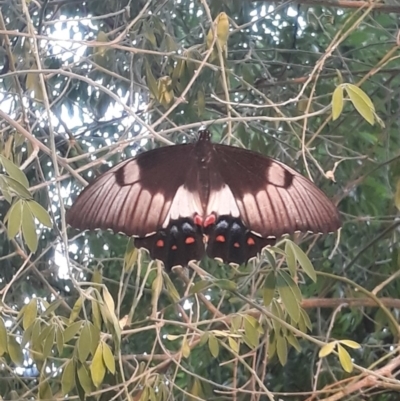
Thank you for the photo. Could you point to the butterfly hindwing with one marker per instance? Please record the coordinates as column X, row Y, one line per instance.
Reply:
column 177, row 245
column 230, row 241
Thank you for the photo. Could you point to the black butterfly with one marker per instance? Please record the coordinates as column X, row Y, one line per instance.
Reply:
column 177, row 199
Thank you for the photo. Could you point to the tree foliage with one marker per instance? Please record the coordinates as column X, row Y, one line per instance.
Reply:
column 87, row 84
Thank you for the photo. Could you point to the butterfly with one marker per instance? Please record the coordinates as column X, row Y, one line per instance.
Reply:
column 184, row 201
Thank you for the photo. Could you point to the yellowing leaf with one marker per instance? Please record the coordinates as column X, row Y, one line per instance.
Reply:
column 108, row 358
column 233, row 344
column 213, row 345
column 222, row 29
column 3, row 337
column 337, row 102
column 350, row 344
column 76, row 310
column 185, row 348
column 108, row 300
column 30, row 313
column 97, row 368
column 14, row 219
column 327, row 349
column 345, row 360
column 361, row 102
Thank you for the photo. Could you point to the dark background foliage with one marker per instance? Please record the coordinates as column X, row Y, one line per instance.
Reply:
column 84, row 85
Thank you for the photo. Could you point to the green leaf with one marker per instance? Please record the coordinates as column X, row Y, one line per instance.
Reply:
column 292, row 340
column 17, row 187
column 131, row 255
column 226, row 284
column 52, row 307
column 68, row 377
column 345, row 360
column 151, row 81
column 4, row 189
column 71, row 330
column 49, row 342
column 95, row 337
column 14, row 219
column 361, row 102
column 170, row 287
column 60, row 340
column 350, row 344
column 288, row 297
column 337, row 102
column 40, row 213
column 108, row 358
column 199, row 286
column 97, row 368
column 305, row 319
column 292, row 284
column 269, row 288
column 96, row 314
column 14, row 171
column 327, row 349
column 15, row 351
column 84, row 343
column 29, row 229
column 45, row 392
column 290, row 258
column 3, row 338
column 213, row 345
column 304, row 261
column 281, row 349
column 84, row 379
column 30, row 313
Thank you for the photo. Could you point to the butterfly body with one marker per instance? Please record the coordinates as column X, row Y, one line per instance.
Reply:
column 184, row 200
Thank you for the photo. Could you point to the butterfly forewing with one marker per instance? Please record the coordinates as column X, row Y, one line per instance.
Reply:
column 135, row 196
column 272, row 198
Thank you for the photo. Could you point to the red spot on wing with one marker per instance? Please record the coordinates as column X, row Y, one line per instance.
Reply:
column 174, row 247
column 220, row 238
column 198, row 220
column 250, row 241
column 236, row 245
column 209, row 220
column 160, row 243
column 189, row 240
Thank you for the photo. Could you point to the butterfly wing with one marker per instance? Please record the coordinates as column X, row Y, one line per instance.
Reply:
column 272, row 198
column 133, row 197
